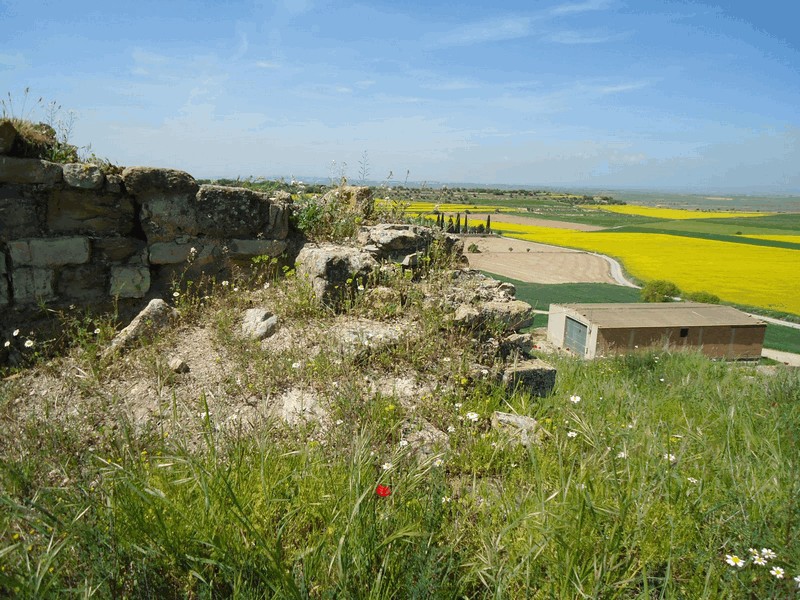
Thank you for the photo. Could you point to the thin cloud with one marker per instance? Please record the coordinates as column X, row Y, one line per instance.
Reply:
column 489, row 30
column 579, row 7
column 267, row 64
column 578, row 37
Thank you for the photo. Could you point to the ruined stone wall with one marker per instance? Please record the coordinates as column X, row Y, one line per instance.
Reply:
column 71, row 235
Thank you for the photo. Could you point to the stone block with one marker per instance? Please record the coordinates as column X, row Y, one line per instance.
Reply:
column 83, row 175
column 21, row 214
column 50, row 252
column 170, row 253
column 147, row 182
column 250, row 248
column 534, row 376
column 2, row 263
column 29, row 170
column 278, row 227
column 129, row 281
column 119, row 249
column 85, row 283
column 225, row 212
column 78, row 211
column 165, row 218
column 32, row 285
column 4, row 295
column 8, row 134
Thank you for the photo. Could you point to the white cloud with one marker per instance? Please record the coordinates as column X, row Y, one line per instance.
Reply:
column 579, row 37
column 579, row 7
column 13, row 61
column 489, row 30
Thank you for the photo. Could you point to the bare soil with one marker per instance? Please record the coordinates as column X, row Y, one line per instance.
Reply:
column 536, row 263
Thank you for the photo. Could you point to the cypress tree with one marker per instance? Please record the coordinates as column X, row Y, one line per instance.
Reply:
column 458, row 223
column 488, row 223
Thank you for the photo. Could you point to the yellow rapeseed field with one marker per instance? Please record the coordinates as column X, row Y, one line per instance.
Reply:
column 416, row 208
column 792, row 239
column 740, row 273
column 674, row 214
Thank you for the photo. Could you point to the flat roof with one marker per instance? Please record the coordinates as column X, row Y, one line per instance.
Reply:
column 661, row 314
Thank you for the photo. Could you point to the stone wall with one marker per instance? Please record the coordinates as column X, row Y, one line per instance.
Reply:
column 71, row 235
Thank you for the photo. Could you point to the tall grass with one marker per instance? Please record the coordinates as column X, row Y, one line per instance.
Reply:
column 651, row 469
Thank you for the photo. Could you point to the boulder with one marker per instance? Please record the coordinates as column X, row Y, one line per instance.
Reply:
column 534, row 376
column 150, row 181
column 83, row 175
column 168, row 204
column 156, row 315
column 177, row 365
column 75, row 211
column 333, row 271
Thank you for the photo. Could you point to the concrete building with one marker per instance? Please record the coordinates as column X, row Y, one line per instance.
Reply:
column 591, row 330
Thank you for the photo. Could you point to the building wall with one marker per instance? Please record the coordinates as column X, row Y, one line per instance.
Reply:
column 742, row 342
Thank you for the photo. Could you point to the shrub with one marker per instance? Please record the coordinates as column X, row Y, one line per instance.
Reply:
column 659, row 290
column 706, row 297
column 473, row 248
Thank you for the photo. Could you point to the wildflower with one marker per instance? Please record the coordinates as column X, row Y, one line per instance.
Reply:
column 7, row 344
column 28, row 343
column 661, row 379
column 339, row 421
column 759, row 560
column 296, row 365
column 386, row 466
column 670, row 457
column 572, row 434
column 753, row 552
column 574, row 399
column 446, row 499
column 225, row 283
column 696, row 481
column 458, row 405
column 446, row 359
column 403, row 443
column 451, row 429
column 776, row 572
column 622, row 454
column 734, row 561
column 438, row 462
column 97, row 331
column 473, row 416
column 236, row 289
column 768, row 554
column 383, row 491
column 16, row 333
column 360, row 288
column 797, row 579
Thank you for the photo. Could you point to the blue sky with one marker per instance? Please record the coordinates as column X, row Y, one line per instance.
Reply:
column 604, row 94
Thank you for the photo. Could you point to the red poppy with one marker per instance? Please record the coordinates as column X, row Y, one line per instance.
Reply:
column 383, row 491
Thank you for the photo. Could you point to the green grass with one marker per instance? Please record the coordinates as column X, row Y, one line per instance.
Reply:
column 785, row 339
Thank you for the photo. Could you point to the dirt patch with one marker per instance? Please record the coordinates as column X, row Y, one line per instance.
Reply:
column 536, row 263
column 519, row 220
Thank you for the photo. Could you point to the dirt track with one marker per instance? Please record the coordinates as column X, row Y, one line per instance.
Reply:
column 536, row 263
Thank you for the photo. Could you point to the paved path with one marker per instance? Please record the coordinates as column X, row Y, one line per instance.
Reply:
column 787, row 358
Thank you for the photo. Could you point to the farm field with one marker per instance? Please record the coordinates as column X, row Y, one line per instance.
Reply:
column 745, row 258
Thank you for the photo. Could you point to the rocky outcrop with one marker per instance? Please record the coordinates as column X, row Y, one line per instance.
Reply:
column 350, row 198
column 395, row 241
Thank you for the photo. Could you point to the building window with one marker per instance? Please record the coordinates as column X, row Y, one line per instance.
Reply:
column 684, row 332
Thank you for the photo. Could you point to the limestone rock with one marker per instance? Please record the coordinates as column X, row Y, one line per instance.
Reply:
column 366, row 335
column 75, row 211
column 395, row 241
column 149, row 181
column 232, row 212
column 177, row 365
column 507, row 316
column 156, row 315
column 22, row 212
column 129, row 281
column 525, row 429
column 49, row 252
column 534, row 376
column 8, row 135
column 30, row 286
column 83, row 175
column 29, row 170
column 82, row 283
column 520, row 343
column 350, row 197
column 334, row 272
column 259, row 323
